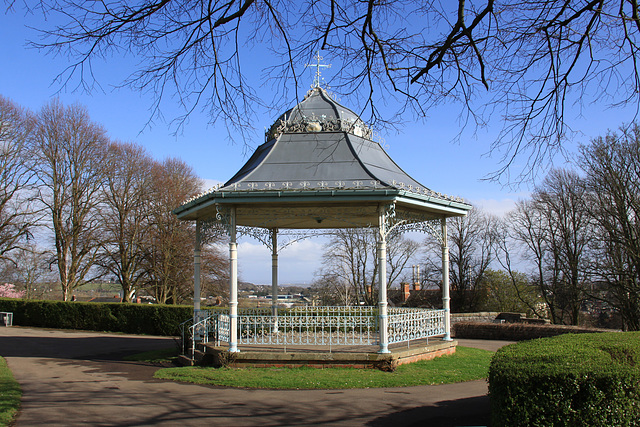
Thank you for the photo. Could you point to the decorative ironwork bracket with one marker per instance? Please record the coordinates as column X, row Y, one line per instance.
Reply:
column 403, row 221
column 215, row 226
column 395, row 222
column 264, row 235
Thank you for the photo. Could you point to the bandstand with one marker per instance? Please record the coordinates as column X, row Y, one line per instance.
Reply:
column 320, row 170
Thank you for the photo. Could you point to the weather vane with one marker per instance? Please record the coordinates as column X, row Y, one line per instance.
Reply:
column 318, row 65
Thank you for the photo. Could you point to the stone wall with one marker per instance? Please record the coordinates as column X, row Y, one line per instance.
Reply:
column 483, row 316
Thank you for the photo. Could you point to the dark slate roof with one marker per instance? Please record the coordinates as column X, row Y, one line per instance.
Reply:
column 319, row 168
column 320, row 144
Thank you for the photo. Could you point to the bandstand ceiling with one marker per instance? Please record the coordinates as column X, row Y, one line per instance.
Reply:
column 320, row 168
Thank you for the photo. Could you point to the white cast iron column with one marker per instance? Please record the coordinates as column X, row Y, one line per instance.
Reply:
column 274, row 278
column 445, row 282
column 383, row 320
column 233, row 283
column 196, row 271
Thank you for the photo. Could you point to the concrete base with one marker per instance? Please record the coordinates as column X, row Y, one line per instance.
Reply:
column 322, row 357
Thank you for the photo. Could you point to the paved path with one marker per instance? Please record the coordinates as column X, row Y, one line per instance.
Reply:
column 77, row 378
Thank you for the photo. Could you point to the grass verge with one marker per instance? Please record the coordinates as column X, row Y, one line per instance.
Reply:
column 466, row 364
column 162, row 355
column 10, row 393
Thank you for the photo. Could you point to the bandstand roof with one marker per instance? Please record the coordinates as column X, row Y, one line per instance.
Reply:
column 319, row 168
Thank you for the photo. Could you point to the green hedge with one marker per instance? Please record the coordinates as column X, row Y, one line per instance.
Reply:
column 515, row 331
column 569, row 380
column 150, row 319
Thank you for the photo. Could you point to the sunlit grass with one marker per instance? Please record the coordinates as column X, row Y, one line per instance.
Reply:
column 10, row 393
column 466, row 364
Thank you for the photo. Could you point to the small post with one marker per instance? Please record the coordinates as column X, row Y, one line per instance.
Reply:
column 233, row 283
column 196, row 270
column 274, row 278
column 382, row 280
column 445, row 282
column 197, row 334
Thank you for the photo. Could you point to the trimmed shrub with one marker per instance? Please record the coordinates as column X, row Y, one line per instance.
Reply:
column 569, row 380
column 150, row 319
column 515, row 331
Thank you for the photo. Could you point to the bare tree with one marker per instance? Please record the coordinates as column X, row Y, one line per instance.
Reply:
column 561, row 198
column 400, row 251
column 125, row 218
column 612, row 165
column 18, row 214
column 29, row 271
column 555, row 228
column 512, row 292
column 69, row 157
column 330, row 290
column 470, row 253
column 215, row 272
column 350, row 264
column 523, row 60
column 527, row 227
column 515, row 230
column 169, row 247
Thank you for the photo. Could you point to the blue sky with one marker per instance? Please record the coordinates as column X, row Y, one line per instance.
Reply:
column 424, row 150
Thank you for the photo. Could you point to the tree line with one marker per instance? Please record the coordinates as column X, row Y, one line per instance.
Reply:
column 79, row 206
column 574, row 243
column 76, row 206
column 580, row 231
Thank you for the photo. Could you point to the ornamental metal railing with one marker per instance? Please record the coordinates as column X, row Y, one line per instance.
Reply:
column 326, row 326
column 319, row 326
column 406, row 324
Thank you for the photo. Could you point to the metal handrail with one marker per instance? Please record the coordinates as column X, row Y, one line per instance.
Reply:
column 182, row 329
column 203, row 328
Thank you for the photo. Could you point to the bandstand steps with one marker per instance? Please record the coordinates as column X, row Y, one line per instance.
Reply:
column 198, row 356
column 254, row 356
column 184, row 360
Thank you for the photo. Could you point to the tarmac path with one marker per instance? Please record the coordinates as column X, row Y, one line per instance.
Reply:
column 72, row 378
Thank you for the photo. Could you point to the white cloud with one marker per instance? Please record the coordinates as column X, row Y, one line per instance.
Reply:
column 497, row 207
column 308, row 250
column 296, row 263
column 210, row 183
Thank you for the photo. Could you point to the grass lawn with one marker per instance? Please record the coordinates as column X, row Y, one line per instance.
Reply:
column 10, row 394
column 465, row 365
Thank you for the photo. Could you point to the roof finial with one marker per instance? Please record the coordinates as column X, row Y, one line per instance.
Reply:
column 317, row 79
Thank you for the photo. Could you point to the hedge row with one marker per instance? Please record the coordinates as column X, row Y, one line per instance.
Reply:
column 569, row 380
column 150, row 319
column 515, row 331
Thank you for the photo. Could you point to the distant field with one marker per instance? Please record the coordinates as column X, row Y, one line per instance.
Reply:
column 107, row 287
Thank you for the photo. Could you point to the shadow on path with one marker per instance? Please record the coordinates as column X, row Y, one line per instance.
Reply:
column 74, row 378
column 471, row 411
column 79, row 347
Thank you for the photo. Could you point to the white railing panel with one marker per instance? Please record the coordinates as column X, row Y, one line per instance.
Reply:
column 309, row 326
column 223, row 327
column 406, row 324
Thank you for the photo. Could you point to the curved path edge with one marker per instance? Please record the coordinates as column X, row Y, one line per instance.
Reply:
column 78, row 378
